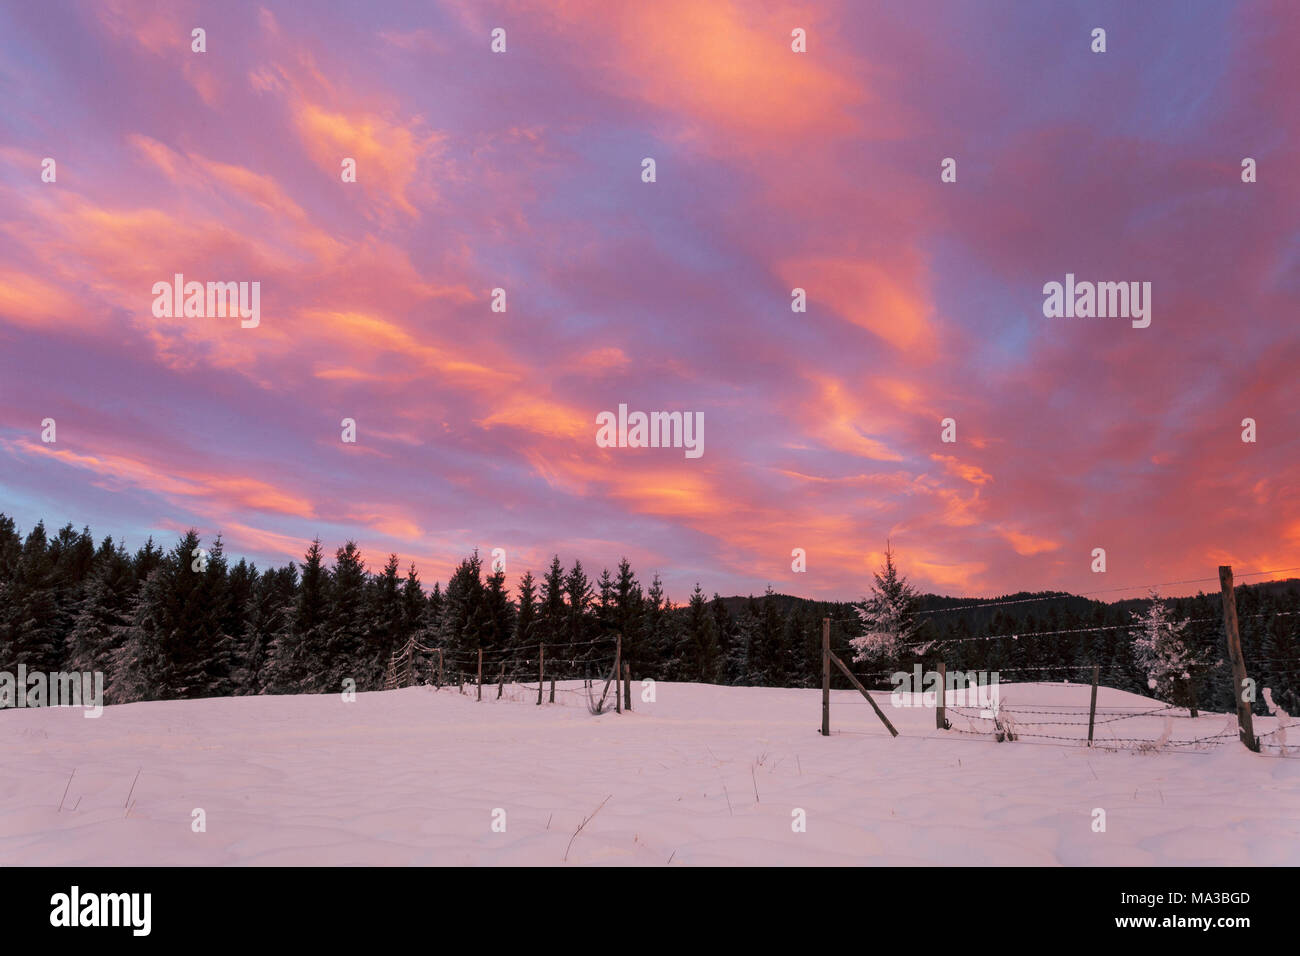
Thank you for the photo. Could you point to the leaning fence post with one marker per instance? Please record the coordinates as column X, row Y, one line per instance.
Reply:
column 1092, row 708
column 940, row 714
column 1244, row 720
column 501, row 681
column 826, row 677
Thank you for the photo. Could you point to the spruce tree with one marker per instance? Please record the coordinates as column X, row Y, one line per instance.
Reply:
column 100, row 621
column 725, row 628
column 347, row 652
column 767, row 664
column 581, row 626
column 655, row 638
column 628, row 602
column 499, row 614
column 386, row 631
column 888, row 616
column 739, row 667
column 701, row 640
column 29, row 626
column 526, row 620
column 170, row 628
column 462, row 619
column 268, row 617
column 415, row 624
column 1164, row 654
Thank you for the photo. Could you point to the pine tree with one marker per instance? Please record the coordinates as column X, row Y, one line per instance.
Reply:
column 725, row 629
column 767, row 659
column 386, row 632
column 29, row 629
column 887, row 615
column 298, row 653
column 627, row 616
column 268, row 616
column 655, row 639
column 147, row 560
column 212, row 651
column 11, row 549
column 72, row 559
column 173, row 625
column 1163, row 652
column 1281, row 652
column 347, row 652
column 701, row 640
column 552, row 619
column 499, row 613
column 580, row 624
column 605, row 623
column 100, row 619
column 526, row 619
column 433, row 614
column 415, row 623
column 739, row 671
column 241, row 586
column 460, row 630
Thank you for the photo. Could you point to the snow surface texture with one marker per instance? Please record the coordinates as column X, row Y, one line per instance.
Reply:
column 413, row 777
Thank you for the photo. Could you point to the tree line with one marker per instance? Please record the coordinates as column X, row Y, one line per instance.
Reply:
column 186, row 622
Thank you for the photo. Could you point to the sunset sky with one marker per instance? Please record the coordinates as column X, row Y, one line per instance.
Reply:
column 775, row 170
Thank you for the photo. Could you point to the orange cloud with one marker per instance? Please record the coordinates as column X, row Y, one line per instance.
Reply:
column 28, row 301
column 1027, row 544
column 519, row 409
column 388, row 154
column 973, row 474
column 868, row 295
column 713, row 67
column 840, row 422
column 229, row 491
column 362, row 332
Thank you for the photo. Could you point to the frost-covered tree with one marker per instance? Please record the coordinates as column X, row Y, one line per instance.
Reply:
column 886, row 615
column 1163, row 652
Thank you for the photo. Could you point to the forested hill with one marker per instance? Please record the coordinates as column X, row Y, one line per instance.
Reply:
column 186, row 621
column 1044, row 636
column 980, row 614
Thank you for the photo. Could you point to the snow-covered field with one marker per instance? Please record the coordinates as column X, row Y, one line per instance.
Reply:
column 703, row 776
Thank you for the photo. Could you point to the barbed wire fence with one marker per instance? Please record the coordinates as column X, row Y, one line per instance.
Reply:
column 992, row 719
column 558, row 662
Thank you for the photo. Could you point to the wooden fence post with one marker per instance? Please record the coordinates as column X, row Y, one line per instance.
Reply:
column 480, row 673
column 826, row 677
column 864, row 692
column 627, row 686
column 552, row 700
column 1092, row 708
column 1244, row 720
column 618, row 670
column 940, row 714
column 501, row 680
column 440, row 668
column 541, row 671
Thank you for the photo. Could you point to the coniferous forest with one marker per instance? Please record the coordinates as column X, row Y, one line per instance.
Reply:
column 164, row 623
